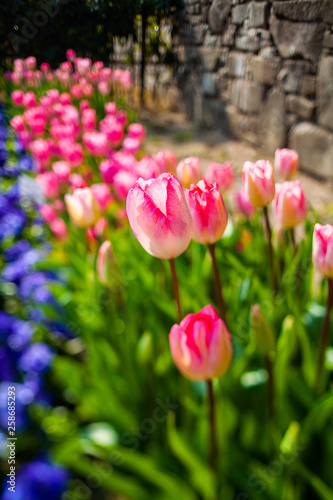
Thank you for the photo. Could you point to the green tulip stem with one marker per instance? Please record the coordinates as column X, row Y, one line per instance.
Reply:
column 269, row 369
column 293, row 240
column 217, row 283
column 270, row 248
column 175, row 287
column 212, row 426
column 325, row 330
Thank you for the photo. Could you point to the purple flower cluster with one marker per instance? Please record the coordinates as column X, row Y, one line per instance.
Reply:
column 23, row 361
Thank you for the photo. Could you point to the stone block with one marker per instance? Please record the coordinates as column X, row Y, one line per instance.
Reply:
column 291, row 74
column 325, row 92
column 268, row 52
column 213, row 114
column 187, row 54
column 239, row 13
column 247, row 96
column 297, row 38
column 199, row 33
column 294, row 10
column 237, row 64
column 258, row 12
column 328, row 40
column 315, row 148
column 264, row 70
column 308, row 85
column 209, row 58
column 209, row 87
column 272, row 131
column 300, row 106
column 218, row 14
column 247, row 43
column 228, row 37
column 241, row 125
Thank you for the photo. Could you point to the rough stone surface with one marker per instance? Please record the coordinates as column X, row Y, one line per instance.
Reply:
column 247, row 96
column 239, row 13
column 264, row 70
column 213, row 114
column 273, row 127
column 308, row 85
column 237, row 64
column 294, row 10
column 328, row 40
column 258, row 12
column 291, row 74
column 247, row 43
column 325, row 93
column 315, row 148
column 209, row 57
column 209, row 87
column 241, row 125
column 297, row 39
column 218, row 14
column 300, row 106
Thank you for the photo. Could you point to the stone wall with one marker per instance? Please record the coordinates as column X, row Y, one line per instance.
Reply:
column 264, row 70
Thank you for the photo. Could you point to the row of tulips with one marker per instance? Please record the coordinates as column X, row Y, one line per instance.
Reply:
column 89, row 162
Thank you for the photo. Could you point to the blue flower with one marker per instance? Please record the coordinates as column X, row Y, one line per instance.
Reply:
column 15, row 250
column 38, row 480
column 34, row 287
column 12, row 223
column 36, row 358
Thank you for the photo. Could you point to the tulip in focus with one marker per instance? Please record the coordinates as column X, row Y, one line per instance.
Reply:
column 289, row 204
column 286, row 162
column 208, row 212
column 189, row 171
column 322, row 249
column 222, row 174
column 82, row 207
column 105, row 263
column 258, row 180
column 201, row 345
column 243, row 204
column 159, row 216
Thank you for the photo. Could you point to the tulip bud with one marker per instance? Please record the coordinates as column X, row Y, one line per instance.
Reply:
column 200, row 345
column 243, row 204
column 289, row 204
column 82, row 207
column 258, row 180
column 262, row 334
column 208, row 212
column 188, row 171
column 105, row 263
column 159, row 216
column 286, row 163
column 322, row 250
column 222, row 174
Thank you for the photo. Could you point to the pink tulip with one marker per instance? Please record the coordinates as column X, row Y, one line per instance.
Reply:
column 286, row 162
column 82, row 65
column 289, row 204
column 70, row 54
column 29, row 100
column 102, row 195
column 322, row 250
column 17, row 97
column 30, row 62
column 188, row 171
column 59, row 229
column 49, row 183
column 122, row 182
column 82, row 207
column 96, row 143
column 258, row 180
column 76, row 91
column 208, row 212
column 166, row 161
column 201, row 345
column 137, row 131
column 77, row 181
column 65, row 99
column 113, row 130
column 17, row 123
column 103, row 88
column 243, row 204
column 110, row 108
column 47, row 213
column 72, row 152
column 105, row 263
column 62, row 169
column 132, row 145
column 146, row 168
column 41, row 151
column 88, row 119
column 159, row 216
column 222, row 174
